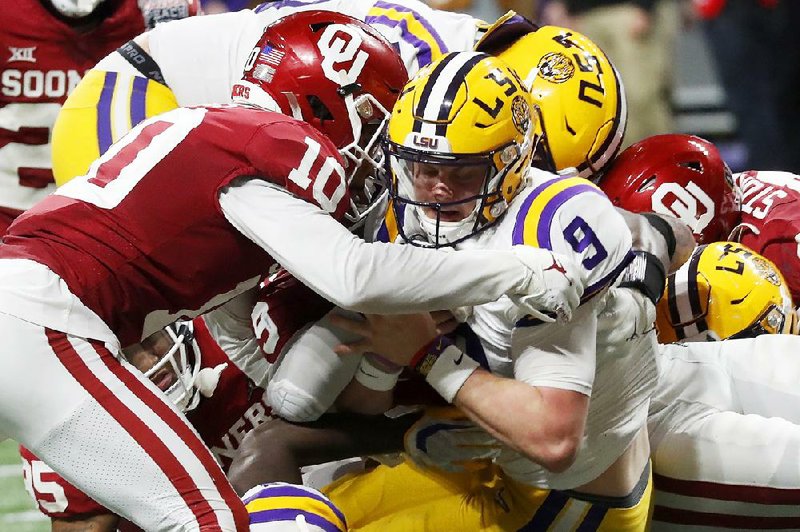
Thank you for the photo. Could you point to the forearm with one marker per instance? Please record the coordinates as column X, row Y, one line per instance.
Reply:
column 524, row 417
column 276, row 450
column 366, row 277
column 358, row 399
column 672, row 243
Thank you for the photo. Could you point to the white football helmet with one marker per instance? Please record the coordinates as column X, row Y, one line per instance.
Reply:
column 75, row 8
column 184, row 357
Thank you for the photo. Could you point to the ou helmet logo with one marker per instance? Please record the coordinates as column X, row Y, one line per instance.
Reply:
column 685, row 205
column 335, row 49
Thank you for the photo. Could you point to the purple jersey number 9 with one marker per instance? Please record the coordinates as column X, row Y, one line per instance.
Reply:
column 581, row 237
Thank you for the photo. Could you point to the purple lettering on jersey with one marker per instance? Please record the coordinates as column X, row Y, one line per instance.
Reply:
column 581, row 237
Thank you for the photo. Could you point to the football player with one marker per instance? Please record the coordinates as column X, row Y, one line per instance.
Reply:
column 214, row 196
column 685, row 176
column 724, row 424
column 453, row 187
column 723, row 421
column 198, row 63
column 47, row 46
column 557, row 63
column 221, row 393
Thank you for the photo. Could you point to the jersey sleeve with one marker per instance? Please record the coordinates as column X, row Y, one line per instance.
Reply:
column 422, row 34
column 572, row 216
column 558, row 355
column 302, row 161
column 54, row 496
column 359, row 276
column 201, row 57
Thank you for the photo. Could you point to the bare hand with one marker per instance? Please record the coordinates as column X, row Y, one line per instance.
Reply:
column 397, row 338
column 446, row 322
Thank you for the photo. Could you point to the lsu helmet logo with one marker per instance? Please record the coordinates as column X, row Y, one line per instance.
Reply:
column 428, row 143
column 765, row 270
column 555, row 67
column 521, row 114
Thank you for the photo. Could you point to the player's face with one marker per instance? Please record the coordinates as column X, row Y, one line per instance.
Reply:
column 148, row 352
column 437, row 183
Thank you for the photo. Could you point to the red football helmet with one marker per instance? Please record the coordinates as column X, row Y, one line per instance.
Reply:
column 334, row 72
column 679, row 175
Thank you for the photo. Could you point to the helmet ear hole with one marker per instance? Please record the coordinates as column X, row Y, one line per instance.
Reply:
column 646, row 183
column 319, row 110
column 697, row 166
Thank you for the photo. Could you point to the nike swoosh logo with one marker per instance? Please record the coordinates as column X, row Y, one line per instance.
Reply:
column 738, row 301
column 459, row 359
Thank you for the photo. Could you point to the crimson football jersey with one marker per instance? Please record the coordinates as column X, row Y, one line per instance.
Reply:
column 42, row 59
column 285, row 306
column 141, row 239
column 236, row 407
column 770, row 220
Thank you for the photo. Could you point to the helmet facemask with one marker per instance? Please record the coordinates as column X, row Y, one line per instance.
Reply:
column 430, row 217
column 364, row 157
column 183, row 358
column 340, row 76
column 457, row 149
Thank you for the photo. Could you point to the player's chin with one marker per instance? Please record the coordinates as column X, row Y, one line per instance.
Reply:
column 445, row 215
column 164, row 379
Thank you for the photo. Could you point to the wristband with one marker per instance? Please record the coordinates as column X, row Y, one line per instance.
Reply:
column 376, row 378
column 423, row 360
column 646, row 274
column 141, row 61
column 444, row 366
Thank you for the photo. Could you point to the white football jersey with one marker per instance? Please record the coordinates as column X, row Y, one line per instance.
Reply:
column 571, row 216
column 724, row 434
column 202, row 57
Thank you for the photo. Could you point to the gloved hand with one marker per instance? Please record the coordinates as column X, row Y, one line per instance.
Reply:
column 554, row 287
column 446, row 439
column 155, row 11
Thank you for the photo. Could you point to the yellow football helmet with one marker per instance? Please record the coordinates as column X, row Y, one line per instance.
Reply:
column 467, row 112
column 578, row 95
column 725, row 290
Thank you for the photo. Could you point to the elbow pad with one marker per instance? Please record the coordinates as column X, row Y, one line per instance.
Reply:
column 292, row 403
